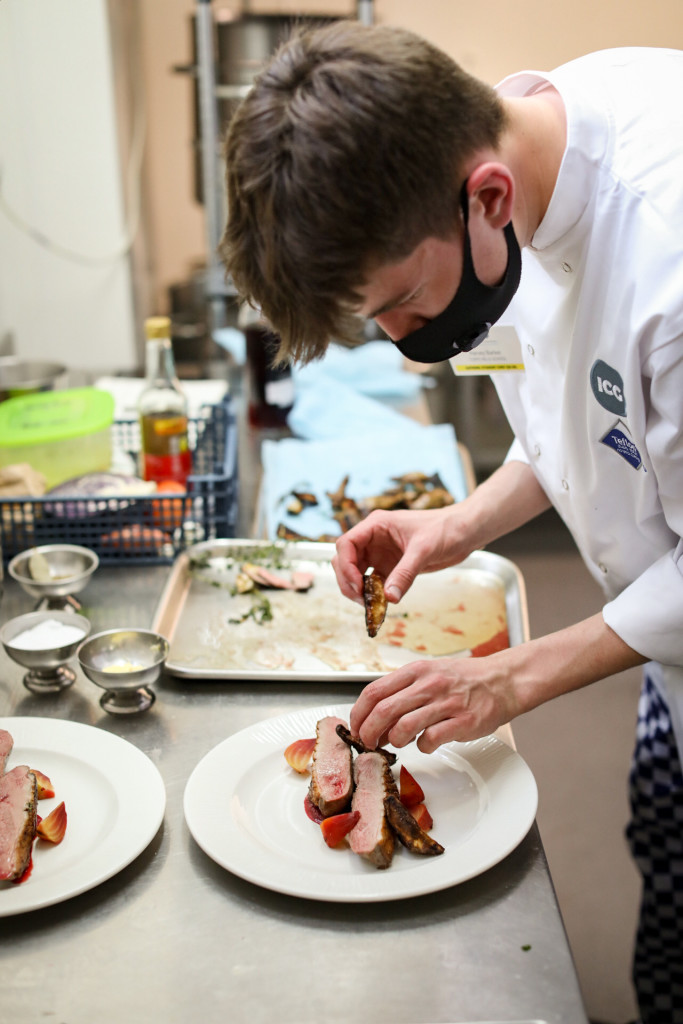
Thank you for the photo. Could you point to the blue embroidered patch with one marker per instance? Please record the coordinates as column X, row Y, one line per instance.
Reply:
column 623, row 446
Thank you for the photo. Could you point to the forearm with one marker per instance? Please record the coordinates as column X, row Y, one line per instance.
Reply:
column 509, row 498
column 564, row 661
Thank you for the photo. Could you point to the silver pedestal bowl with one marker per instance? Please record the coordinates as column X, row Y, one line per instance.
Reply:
column 53, row 573
column 125, row 663
column 48, row 671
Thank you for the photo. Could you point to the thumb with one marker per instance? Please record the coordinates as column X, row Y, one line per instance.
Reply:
column 400, row 580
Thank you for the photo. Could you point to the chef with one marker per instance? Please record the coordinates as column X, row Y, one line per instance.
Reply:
column 369, row 175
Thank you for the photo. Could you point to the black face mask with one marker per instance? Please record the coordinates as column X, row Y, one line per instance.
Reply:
column 467, row 319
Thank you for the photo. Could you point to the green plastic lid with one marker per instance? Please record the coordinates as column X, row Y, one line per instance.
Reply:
column 49, row 416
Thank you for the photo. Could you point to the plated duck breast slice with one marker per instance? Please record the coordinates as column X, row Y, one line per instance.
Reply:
column 331, row 772
column 18, row 795
column 6, row 744
column 372, row 837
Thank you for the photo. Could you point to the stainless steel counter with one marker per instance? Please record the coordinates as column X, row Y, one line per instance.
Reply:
column 175, row 938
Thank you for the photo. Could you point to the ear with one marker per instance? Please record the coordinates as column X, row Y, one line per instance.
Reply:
column 491, row 191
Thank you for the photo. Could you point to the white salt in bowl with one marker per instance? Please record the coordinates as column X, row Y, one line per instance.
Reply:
column 43, row 642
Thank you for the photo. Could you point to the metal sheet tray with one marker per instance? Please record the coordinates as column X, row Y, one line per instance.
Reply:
column 316, row 635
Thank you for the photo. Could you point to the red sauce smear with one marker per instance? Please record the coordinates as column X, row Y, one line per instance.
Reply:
column 498, row 642
column 27, row 871
column 312, row 811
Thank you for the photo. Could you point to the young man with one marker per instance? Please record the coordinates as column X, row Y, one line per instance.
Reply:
column 367, row 174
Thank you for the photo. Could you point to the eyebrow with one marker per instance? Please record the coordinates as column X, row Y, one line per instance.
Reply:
column 395, row 301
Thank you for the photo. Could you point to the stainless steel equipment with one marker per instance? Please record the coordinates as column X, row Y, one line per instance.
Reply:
column 48, row 672
column 125, row 663
column 228, row 53
column 19, row 376
column 66, row 570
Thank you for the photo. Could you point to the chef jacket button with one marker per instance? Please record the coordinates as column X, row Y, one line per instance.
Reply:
column 537, row 450
column 567, row 267
column 602, row 567
column 530, row 349
column 565, row 485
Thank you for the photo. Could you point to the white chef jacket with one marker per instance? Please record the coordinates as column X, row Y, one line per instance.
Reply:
column 598, row 410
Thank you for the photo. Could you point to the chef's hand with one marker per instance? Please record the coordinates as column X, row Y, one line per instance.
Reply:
column 399, row 545
column 464, row 698
column 437, row 701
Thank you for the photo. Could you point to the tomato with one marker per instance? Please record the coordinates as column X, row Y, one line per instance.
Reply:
column 170, row 512
column 339, row 825
column 410, row 789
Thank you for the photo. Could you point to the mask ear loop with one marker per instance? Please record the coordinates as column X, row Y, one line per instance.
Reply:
column 467, row 260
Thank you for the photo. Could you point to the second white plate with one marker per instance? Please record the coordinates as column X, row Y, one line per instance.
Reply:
column 115, row 800
column 245, row 808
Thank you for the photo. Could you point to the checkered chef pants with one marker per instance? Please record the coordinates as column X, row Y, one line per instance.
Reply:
column 655, row 835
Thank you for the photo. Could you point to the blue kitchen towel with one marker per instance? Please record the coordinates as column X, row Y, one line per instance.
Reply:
column 232, row 341
column 374, row 368
column 330, row 409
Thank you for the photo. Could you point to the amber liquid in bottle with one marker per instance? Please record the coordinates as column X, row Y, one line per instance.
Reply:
column 165, row 449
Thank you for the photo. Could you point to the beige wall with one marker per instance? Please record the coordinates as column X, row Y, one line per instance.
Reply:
column 491, row 39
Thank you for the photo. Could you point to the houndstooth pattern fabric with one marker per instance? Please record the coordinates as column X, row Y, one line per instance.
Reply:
column 655, row 835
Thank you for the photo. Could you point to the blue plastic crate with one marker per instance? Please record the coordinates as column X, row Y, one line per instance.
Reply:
column 145, row 530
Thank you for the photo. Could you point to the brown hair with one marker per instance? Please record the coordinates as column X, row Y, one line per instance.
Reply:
column 345, row 154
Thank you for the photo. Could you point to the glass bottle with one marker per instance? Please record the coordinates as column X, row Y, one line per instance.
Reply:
column 271, row 388
column 165, row 449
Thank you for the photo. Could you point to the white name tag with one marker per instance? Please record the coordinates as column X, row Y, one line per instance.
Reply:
column 501, row 352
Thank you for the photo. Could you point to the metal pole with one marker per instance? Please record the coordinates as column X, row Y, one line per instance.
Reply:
column 211, row 185
column 365, row 12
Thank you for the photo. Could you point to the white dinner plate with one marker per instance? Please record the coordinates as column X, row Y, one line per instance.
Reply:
column 245, row 808
column 115, row 801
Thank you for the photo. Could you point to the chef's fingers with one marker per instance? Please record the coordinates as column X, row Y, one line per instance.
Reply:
column 350, row 561
column 401, row 579
column 369, row 718
column 400, row 706
column 460, row 729
column 349, row 578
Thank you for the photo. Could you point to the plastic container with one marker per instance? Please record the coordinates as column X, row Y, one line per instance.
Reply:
column 62, row 434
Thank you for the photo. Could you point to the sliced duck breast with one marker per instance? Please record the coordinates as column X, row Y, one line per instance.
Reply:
column 331, row 772
column 6, row 744
column 372, row 837
column 18, row 795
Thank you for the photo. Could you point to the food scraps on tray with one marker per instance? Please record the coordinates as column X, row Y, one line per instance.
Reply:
column 20, row 824
column 253, row 577
column 282, row 626
column 409, row 491
column 357, row 799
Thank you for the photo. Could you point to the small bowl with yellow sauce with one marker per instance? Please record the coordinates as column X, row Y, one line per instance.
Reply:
column 125, row 663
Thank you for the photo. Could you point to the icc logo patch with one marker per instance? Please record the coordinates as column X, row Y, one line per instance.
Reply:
column 608, row 388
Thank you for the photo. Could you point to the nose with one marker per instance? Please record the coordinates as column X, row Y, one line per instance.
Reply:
column 397, row 323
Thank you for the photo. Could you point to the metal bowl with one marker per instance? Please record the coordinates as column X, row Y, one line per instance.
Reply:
column 68, row 566
column 48, row 672
column 125, row 663
column 22, row 376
